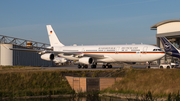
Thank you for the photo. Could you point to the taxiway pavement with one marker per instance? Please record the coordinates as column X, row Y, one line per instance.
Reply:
column 99, row 67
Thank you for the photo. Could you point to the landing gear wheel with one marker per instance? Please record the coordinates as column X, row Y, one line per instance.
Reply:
column 149, row 67
column 109, row 66
column 79, row 66
column 103, row 66
column 93, row 66
column 161, row 67
column 86, row 66
column 168, row 67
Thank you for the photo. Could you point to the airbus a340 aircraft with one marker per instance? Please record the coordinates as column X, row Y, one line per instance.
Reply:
column 93, row 54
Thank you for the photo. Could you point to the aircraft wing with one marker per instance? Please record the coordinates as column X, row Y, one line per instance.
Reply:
column 61, row 52
column 47, row 51
column 78, row 54
column 28, row 50
column 95, row 56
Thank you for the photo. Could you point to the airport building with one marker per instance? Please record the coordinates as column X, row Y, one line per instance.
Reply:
column 171, row 30
column 9, row 57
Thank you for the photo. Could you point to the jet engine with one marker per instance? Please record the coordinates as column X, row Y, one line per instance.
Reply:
column 86, row 60
column 47, row 56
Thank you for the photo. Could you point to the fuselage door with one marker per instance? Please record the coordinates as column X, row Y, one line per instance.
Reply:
column 82, row 50
column 117, row 50
column 144, row 49
column 138, row 55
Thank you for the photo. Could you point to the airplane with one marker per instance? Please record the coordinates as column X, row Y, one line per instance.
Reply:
column 169, row 48
column 93, row 54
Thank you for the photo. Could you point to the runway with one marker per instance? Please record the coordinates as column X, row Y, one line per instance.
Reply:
column 99, row 67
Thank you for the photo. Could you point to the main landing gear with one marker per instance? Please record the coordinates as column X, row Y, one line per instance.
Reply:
column 82, row 66
column 94, row 65
column 108, row 65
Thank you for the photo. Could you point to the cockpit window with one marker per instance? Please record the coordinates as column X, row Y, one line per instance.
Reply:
column 157, row 50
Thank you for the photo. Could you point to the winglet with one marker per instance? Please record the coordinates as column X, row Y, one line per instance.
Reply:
column 54, row 41
column 169, row 47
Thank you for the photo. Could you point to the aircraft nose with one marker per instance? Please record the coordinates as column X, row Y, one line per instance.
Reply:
column 163, row 53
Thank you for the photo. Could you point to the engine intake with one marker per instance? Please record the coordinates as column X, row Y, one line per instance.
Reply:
column 86, row 60
column 47, row 56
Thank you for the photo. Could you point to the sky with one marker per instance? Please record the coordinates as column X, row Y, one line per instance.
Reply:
column 86, row 22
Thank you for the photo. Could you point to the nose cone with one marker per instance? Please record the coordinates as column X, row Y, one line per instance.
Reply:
column 162, row 53
column 157, row 55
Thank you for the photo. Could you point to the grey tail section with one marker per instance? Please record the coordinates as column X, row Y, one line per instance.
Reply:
column 169, row 47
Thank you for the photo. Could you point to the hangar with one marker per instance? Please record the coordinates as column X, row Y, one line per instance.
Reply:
column 24, row 58
column 171, row 30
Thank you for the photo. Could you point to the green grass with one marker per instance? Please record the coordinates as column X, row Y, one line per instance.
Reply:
column 15, row 83
column 159, row 82
column 33, row 83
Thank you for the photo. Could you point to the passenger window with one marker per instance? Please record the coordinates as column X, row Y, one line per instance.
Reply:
column 156, row 49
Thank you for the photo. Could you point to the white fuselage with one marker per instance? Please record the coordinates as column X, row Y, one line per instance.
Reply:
column 115, row 53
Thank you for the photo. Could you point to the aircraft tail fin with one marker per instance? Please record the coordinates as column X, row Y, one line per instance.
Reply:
column 169, row 47
column 54, row 41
